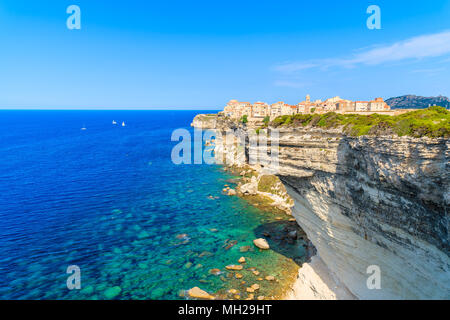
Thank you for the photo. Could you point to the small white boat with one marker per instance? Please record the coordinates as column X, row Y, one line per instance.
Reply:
column 83, row 128
column 123, row 124
column 114, row 122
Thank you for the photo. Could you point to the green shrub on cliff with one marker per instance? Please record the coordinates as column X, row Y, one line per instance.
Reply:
column 432, row 122
column 267, row 183
column 272, row 184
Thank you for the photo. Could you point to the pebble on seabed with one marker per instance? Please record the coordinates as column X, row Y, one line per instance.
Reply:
column 234, row 267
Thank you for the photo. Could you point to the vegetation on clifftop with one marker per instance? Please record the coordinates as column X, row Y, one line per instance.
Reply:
column 432, row 122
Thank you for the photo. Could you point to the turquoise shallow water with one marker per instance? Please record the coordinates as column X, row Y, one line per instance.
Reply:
column 109, row 200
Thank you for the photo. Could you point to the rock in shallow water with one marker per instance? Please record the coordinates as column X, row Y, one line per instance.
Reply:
column 261, row 243
column 88, row 290
column 255, row 286
column 143, row 235
column 214, row 271
column 293, row 235
column 198, row 293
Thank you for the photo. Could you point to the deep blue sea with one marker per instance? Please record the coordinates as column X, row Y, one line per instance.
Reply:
column 109, row 200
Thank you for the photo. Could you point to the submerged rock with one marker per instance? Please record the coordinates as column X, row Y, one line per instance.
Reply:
column 214, row 271
column 143, row 235
column 113, row 292
column 292, row 235
column 234, row 267
column 255, row 286
column 142, row 265
column 87, row 290
column 230, row 244
column 205, row 254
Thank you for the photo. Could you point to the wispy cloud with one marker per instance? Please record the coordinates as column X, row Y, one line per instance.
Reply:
column 416, row 48
column 290, row 84
column 429, row 72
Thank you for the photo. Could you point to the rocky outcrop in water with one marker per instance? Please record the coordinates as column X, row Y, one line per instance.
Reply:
column 369, row 201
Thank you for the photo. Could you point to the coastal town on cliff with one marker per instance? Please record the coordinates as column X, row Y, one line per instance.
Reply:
column 260, row 110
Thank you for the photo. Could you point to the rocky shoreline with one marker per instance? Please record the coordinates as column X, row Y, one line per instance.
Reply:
column 252, row 185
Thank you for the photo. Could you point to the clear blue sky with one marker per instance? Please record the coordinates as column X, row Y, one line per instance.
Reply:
column 200, row 54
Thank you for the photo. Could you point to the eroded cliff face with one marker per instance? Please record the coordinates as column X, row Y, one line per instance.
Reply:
column 373, row 201
column 370, row 201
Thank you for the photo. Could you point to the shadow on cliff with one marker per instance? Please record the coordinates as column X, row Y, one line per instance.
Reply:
column 367, row 164
column 286, row 238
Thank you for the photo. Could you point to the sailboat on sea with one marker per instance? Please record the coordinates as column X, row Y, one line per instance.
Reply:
column 123, row 124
